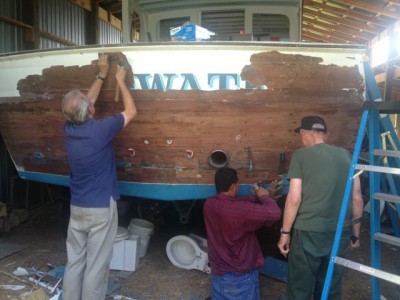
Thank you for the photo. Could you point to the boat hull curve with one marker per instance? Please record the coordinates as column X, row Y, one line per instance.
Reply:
column 243, row 100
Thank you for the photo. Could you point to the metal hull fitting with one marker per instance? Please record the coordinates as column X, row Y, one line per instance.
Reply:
column 200, row 106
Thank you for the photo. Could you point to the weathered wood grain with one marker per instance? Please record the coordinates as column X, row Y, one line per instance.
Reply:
column 252, row 126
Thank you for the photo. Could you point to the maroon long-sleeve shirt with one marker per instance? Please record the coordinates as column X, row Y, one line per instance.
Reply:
column 231, row 225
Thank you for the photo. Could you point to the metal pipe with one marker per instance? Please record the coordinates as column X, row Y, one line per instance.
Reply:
column 218, row 159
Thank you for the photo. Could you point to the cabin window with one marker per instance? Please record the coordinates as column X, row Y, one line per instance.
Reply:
column 226, row 24
column 269, row 27
column 167, row 24
column 230, row 26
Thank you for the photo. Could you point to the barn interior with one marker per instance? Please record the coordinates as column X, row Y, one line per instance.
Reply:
column 34, row 215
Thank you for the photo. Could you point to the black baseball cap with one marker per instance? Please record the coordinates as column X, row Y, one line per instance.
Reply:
column 314, row 123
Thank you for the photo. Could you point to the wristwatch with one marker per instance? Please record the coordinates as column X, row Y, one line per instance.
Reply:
column 354, row 238
column 284, row 232
column 99, row 77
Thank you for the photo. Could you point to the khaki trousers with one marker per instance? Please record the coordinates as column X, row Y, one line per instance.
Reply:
column 91, row 235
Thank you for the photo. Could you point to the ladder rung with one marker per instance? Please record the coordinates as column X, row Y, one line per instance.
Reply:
column 390, row 153
column 387, row 197
column 390, row 239
column 368, row 270
column 383, row 106
column 364, row 156
column 395, row 171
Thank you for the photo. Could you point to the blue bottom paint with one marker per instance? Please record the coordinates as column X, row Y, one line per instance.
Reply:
column 154, row 191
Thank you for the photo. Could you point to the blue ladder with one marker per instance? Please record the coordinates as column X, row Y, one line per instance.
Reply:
column 370, row 119
column 392, row 159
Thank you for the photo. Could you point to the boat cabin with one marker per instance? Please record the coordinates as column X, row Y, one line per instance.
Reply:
column 237, row 21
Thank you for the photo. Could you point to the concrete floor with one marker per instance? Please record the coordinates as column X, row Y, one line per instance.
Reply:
column 156, row 277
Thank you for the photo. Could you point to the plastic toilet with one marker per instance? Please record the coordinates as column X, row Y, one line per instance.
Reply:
column 188, row 252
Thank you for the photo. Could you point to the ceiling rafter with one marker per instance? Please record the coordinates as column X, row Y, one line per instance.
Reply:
column 338, row 20
column 115, row 8
column 349, row 13
column 371, row 8
column 334, row 34
column 310, row 38
column 333, row 26
column 382, row 76
column 396, row 2
column 319, row 37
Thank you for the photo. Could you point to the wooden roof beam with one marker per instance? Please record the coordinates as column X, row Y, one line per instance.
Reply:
column 371, row 8
column 307, row 38
column 396, row 2
column 349, row 13
column 15, row 22
column 317, row 37
column 339, row 20
column 348, row 31
column 115, row 8
column 381, row 77
column 329, row 29
column 327, row 38
column 342, row 39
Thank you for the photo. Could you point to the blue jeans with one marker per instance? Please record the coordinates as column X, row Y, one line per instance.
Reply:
column 235, row 286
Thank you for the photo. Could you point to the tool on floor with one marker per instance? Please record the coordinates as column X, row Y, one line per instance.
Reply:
column 51, row 280
column 372, row 120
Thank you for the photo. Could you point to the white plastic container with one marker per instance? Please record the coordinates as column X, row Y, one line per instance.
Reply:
column 125, row 251
column 144, row 229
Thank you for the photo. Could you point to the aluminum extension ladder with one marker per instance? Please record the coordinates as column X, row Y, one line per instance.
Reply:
column 389, row 184
column 371, row 118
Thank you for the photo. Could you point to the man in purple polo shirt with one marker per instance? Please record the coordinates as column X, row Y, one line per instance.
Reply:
column 231, row 223
column 93, row 184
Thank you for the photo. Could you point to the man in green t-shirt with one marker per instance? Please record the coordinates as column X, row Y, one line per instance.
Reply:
column 318, row 175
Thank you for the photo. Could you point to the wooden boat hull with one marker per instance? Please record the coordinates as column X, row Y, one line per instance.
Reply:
column 238, row 101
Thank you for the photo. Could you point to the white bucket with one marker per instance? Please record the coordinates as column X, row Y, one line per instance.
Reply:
column 144, row 229
column 122, row 234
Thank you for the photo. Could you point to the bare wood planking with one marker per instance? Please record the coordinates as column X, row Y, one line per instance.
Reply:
column 239, row 122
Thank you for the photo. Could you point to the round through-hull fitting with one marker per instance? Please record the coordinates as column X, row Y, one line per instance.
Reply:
column 131, row 152
column 184, row 219
column 189, row 154
column 218, row 159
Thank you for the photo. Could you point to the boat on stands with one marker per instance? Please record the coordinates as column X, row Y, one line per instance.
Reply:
column 202, row 105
